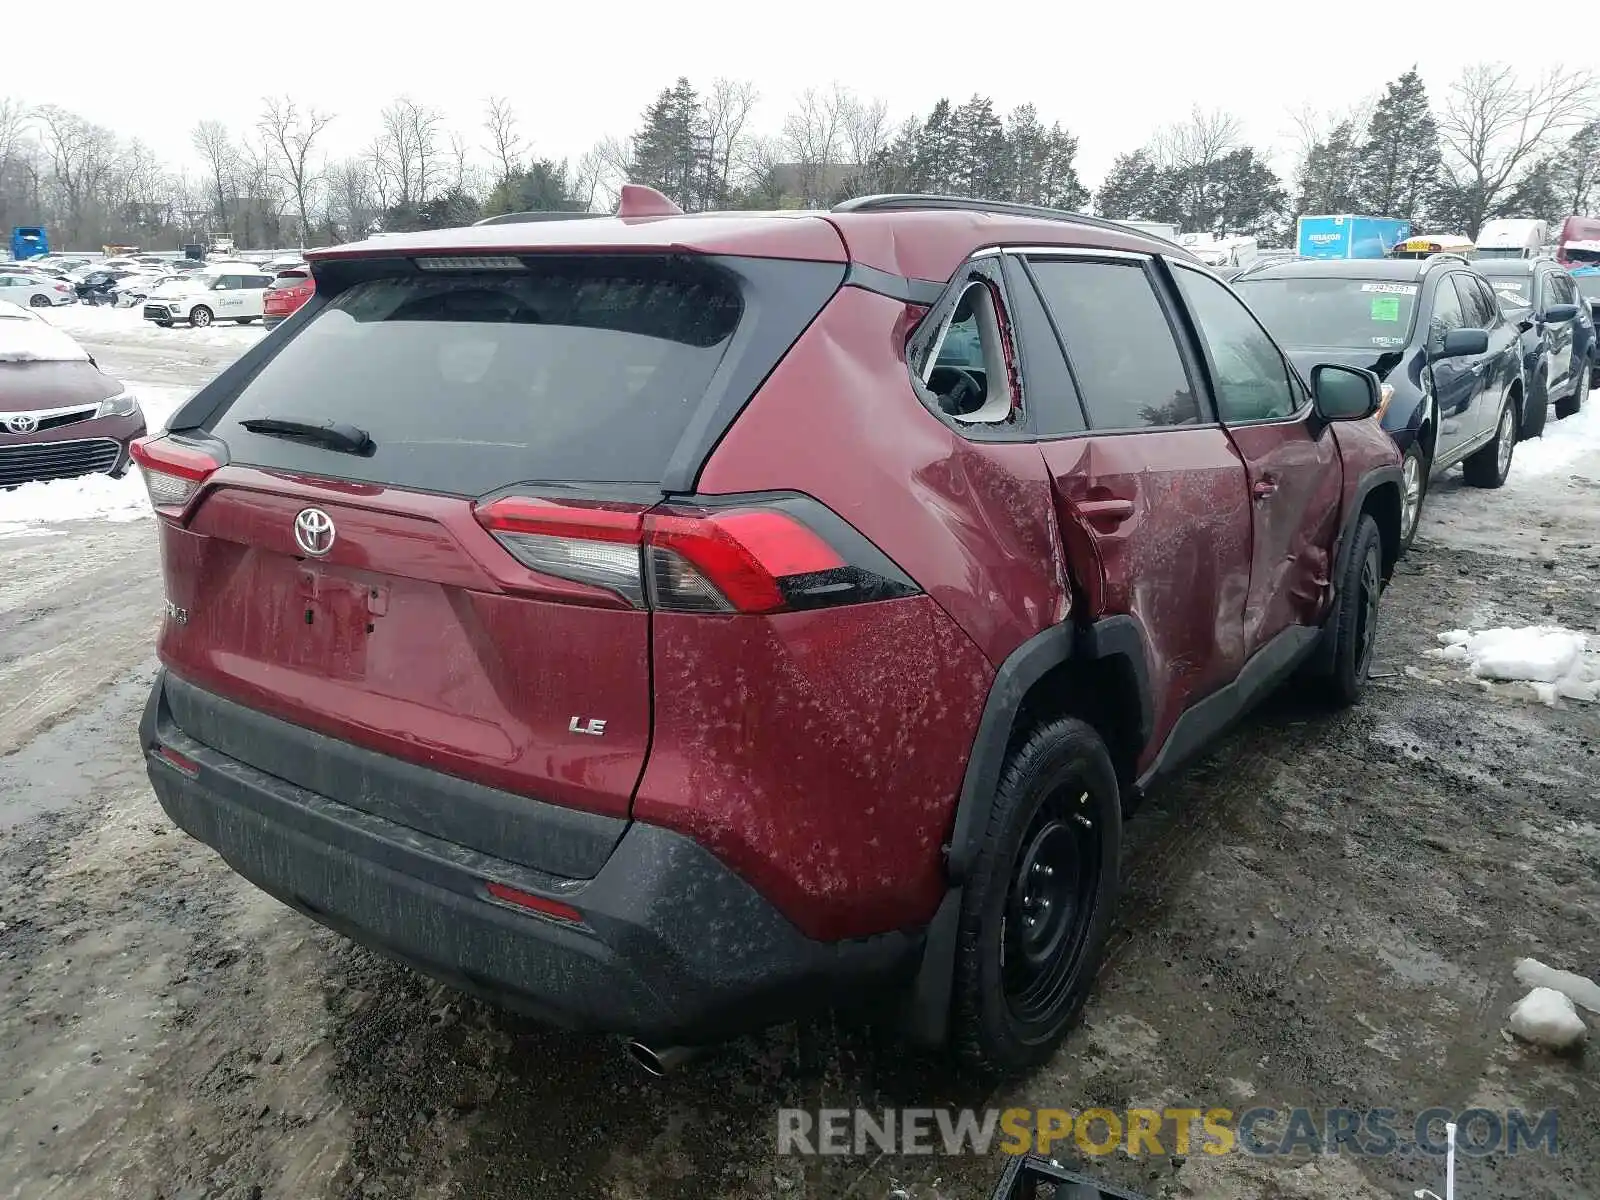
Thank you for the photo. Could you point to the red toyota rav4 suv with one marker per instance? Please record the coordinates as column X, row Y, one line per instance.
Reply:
column 664, row 623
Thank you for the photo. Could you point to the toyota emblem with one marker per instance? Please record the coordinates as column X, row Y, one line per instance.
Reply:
column 22, row 423
column 313, row 531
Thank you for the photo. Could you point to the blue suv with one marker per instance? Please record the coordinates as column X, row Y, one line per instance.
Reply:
column 1541, row 299
column 1433, row 333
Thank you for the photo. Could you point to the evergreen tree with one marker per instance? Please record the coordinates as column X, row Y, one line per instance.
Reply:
column 672, row 149
column 1399, row 158
column 1576, row 172
column 541, row 186
column 1331, row 177
column 935, row 151
column 977, row 166
column 1244, row 195
column 1132, row 188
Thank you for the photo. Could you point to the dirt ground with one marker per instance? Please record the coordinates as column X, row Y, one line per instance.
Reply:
column 1323, row 912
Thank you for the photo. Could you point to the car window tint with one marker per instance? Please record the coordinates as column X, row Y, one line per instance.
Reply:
column 1119, row 344
column 1473, row 306
column 1248, row 374
column 1048, row 392
column 1447, row 314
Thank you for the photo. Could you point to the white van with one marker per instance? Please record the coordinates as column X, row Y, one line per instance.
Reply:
column 1512, row 237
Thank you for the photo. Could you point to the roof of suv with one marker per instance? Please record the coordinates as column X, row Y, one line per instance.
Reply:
column 1513, row 266
column 915, row 237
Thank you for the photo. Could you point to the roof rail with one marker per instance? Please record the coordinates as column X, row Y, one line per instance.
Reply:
column 913, row 202
column 517, row 218
column 1450, row 255
column 1261, row 264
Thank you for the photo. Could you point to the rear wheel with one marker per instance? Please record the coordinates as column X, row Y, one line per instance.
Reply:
column 245, row 320
column 38, row 301
column 1489, row 467
column 200, row 317
column 1038, row 905
column 1353, row 624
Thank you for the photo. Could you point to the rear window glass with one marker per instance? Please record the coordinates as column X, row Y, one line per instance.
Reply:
column 574, row 370
column 1511, row 291
column 1333, row 313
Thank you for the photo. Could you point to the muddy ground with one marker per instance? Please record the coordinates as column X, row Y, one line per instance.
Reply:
column 1323, row 912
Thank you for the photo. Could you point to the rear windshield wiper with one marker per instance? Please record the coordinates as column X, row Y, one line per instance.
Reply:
column 335, row 435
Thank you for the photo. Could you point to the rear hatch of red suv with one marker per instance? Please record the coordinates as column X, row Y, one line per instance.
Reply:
column 416, row 526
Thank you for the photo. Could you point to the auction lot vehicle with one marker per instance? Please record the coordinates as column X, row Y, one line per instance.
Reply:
column 666, row 624
column 1426, row 245
column 1511, row 237
column 234, row 294
column 60, row 415
column 1578, row 243
column 291, row 287
column 34, row 290
column 1432, row 331
column 1557, row 332
column 1348, row 236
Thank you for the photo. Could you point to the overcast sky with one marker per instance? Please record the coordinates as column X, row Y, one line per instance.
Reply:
column 1110, row 73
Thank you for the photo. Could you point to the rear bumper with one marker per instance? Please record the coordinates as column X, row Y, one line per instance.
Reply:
column 673, row 945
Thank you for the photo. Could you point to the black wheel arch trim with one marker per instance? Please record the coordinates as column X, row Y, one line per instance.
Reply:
column 927, row 1014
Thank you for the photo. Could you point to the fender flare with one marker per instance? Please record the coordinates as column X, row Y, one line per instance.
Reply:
column 928, row 1008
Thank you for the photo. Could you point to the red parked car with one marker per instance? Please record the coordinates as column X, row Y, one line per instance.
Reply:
column 666, row 623
column 290, row 288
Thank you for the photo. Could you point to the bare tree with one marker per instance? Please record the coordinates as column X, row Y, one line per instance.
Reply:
column 290, row 137
column 80, row 155
column 353, row 205
column 505, row 143
column 588, row 178
column 221, row 160
column 1494, row 128
column 727, row 111
column 866, row 129
column 813, row 137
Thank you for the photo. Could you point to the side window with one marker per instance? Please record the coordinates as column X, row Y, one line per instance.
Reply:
column 1447, row 314
column 1491, row 306
column 1248, row 372
column 1473, row 304
column 967, row 371
column 1047, row 390
column 257, row 282
column 1119, row 343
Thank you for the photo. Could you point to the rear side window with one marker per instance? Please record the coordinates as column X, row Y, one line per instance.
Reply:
column 1119, row 344
column 1480, row 313
column 584, row 369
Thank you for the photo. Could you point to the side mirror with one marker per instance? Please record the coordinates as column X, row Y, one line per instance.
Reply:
column 1557, row 313
column 1344, row 393
column 1459, row 343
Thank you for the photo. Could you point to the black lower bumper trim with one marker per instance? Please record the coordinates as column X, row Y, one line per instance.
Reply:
column 675, row 947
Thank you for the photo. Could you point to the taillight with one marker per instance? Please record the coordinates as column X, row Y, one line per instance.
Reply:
column 172, row 473
column 773, row 555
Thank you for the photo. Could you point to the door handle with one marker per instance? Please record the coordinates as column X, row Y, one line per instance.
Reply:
column 1113, row 510
column 1262, row 488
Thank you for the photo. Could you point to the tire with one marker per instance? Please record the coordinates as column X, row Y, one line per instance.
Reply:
column 1537, row 409
column 38, row 301
column 1018, row 987
column 1573, row 404
column 1413, row 492
column 1353, row 624
column 246, row 320
column 200, row 316
column 1488, row 468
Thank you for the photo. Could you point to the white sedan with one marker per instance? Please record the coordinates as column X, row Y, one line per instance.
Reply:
column 208, row 296
column 34, row 291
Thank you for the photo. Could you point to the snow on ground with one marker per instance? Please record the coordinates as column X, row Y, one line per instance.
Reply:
column 1563, row 443
column 102, row 322
column 1554, row 660
column 33, row 509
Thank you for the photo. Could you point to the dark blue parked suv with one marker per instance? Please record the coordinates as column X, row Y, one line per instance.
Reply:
column 1432, row 331
column 1542, row 301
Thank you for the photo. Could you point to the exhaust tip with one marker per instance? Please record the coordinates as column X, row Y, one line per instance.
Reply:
column 658, row 1063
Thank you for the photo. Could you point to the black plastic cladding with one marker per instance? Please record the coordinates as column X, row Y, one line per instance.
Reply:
column 781, row 299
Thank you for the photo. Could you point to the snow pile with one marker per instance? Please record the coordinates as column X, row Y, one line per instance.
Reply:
column 1532, row 973
column 1554, row 660
column 1561, row 445
column 25, row 338
column 102, row 322
column 1546, row 1018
